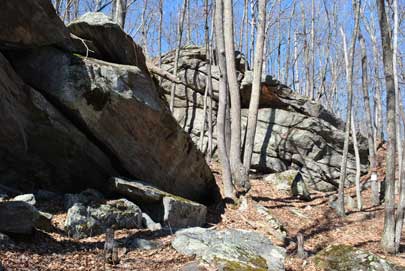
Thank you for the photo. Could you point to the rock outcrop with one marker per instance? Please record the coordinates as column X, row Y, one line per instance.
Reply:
column 38, row 145
column 293, row 132
column 93, row 119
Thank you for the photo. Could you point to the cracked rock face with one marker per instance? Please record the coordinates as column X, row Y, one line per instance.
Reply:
column 293, row 132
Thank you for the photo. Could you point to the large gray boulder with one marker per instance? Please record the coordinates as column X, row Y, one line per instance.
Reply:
column 181, row 213
column 231, row 249
column 293, row 132
column 30, row 23
column 83, row 221
column 111, row 42
column 39, row 146
column 119, row 107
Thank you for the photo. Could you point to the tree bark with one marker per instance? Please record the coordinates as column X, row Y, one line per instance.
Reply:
column 369, row 125
column 177, row 53
column 239, row 173
column 255, row 93
column 388, row 236
column 221, row 115
column 349, row 62
column 358, row 170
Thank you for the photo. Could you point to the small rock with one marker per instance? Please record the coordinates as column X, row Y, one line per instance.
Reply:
column 83, row 221
column 290, row 181
column 182, row 213
column 44, row 221
column 193, row 266
column 28, row 198
column 243, row 205
column 350, row 203
column 4, row 239
column 149, row 224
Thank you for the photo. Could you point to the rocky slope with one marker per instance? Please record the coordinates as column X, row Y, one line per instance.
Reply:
column 292, row 132
column 71, row 121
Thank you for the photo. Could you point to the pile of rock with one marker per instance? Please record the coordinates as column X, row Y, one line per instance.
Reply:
column 293, row 132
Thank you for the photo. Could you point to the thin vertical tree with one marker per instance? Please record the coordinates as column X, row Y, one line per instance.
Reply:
column 239, row 172
column 369, row 125
column 349, row 62
column 388, row 236
column 256, row 84
column 222, row 103
column 177, row 53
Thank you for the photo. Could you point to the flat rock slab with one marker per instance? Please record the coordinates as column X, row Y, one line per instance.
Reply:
column 231, row 249
column 137, row 191
column 28, row 198
column 178, row 212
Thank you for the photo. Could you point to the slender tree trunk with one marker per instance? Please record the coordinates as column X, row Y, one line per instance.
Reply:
column 160, row 31
column 370, row 133
column 120, row 12
column 296, row 70
column 223, row 93
column 396, row 85
column 349, row 62
column 312, row 84
column 255, row 93
column 287, row 62
column 208, row 90
column 143, row 28
column 388, row 236
column 239, row 173
column 401, row 178
column 358, row 170
column 252, row 29
column 177, row 53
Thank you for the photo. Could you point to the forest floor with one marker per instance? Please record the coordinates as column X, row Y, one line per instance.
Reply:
column 314, row 219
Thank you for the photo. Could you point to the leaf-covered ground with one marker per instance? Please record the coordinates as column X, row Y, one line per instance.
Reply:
column 315, row 219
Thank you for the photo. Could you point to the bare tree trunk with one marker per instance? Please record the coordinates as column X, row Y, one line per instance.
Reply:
column 239, row 173
column 279, row 41
column 287, row 62
column 396, row 85
column 57, row 6
column 255, row 93
column 143, row 28
column 349, row 61
column 221, row 115
column 296, row 71
column 401, row 206
column 252, row 29
column 113, row 10
column 160, row 31
column 120, row 12
column 388, row 236
column 242, row 25
column 370, row 133
column 358, row 170
column 312, row 84
column 208, row 90
column 177, row 54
